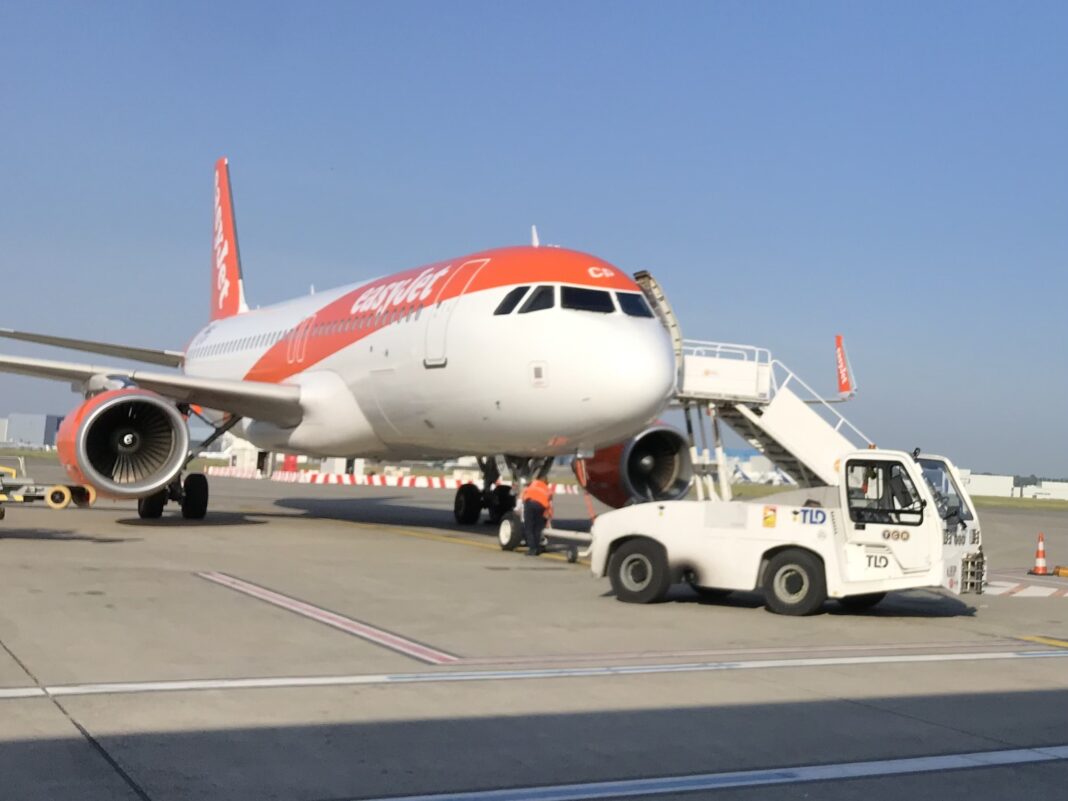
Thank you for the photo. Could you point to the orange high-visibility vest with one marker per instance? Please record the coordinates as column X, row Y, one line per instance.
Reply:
column 538, row 491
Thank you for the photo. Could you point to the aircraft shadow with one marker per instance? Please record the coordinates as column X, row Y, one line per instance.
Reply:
column 397, row 510
column 173, row 519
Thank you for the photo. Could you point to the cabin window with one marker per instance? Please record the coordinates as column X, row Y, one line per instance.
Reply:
column 634, row 304
column 544, row 297
column 583, row 299
column 511, row 300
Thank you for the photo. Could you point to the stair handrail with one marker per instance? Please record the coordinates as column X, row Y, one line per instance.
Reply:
column 745, row 353
column 815, row 398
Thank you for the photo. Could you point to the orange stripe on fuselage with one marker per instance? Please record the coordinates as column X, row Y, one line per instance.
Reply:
column 374, row 306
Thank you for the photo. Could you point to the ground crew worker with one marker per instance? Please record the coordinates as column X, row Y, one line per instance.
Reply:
column 537, row 506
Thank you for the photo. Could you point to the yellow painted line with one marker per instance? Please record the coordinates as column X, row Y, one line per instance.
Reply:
column 453, row 540
column 1046, row 641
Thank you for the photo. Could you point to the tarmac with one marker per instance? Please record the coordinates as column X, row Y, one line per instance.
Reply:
column 322, row 643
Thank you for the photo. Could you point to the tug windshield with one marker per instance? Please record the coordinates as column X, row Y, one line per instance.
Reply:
column 944, row 488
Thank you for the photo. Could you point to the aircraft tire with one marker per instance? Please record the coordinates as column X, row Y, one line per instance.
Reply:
column 501, row 502
column 195, row 496
column 467, row 507
column 151, row 507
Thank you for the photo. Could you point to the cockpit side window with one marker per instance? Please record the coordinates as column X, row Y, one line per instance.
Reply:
column 511, row 300
column 633, row 304
column 544, row 297
column 583, row 299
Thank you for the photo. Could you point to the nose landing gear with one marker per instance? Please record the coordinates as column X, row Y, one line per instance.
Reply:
column 499, row 500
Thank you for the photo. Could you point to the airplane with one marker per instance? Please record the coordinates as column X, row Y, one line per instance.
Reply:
column 523, row 353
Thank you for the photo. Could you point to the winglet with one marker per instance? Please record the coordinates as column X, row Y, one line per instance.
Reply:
column 227, row 287
column 847, row 387
column 534, row 241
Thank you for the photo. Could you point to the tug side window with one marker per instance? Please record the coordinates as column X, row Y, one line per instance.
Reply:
column 882, row 493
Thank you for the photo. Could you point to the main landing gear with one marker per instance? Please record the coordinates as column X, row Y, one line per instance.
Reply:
column 192, row 493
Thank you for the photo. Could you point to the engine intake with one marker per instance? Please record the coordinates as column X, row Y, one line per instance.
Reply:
column 128, row 443
column 652, row 466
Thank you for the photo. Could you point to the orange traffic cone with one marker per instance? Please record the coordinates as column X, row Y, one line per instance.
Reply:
column 1040, row 568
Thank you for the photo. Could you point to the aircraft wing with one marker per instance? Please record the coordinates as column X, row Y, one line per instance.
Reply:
column 275, row 403
column 168, row 358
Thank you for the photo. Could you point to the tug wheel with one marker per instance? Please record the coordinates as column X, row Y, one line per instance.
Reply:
column 58, row 497
column 794, row 583
column 638, row 571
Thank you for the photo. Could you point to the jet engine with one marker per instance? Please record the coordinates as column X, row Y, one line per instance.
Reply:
column 652, row 466
column 127, row 443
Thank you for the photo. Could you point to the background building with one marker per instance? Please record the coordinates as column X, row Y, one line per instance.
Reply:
column 34, row 430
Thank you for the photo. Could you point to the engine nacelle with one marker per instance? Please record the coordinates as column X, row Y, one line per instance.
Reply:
column 655, row 465
column 127, row 443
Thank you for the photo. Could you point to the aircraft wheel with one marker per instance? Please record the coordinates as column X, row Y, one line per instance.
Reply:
column 468, row 505
column 195, row 496
column 510, row 532
column 795, row 583
column 83, row 496
column 501, row 502
column 638, row 571
column 151, row 507
column 58, row 497
column 856, row 603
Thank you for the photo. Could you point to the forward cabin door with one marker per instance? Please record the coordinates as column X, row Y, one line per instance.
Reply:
column 442, row 308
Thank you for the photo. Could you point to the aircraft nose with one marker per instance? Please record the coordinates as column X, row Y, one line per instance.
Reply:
column 637, row 373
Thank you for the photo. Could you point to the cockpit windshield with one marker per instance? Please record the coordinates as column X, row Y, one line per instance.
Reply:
column 944, row 488
column 583, row 299
column 633, row 304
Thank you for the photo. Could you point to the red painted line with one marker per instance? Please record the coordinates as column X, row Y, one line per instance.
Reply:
column 1060, row 593
column 1016, row 589
column 365, row 631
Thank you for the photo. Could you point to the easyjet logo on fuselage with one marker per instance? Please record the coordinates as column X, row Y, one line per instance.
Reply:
column 221, row 248
column 382, row 298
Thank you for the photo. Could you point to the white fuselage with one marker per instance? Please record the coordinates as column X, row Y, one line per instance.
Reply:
column 426, row 369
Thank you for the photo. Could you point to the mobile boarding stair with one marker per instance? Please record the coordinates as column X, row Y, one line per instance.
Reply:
column 766, row 404
column 761, row 399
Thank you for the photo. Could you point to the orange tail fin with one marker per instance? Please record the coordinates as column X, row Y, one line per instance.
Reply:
column 847, row 387
column 227, row 287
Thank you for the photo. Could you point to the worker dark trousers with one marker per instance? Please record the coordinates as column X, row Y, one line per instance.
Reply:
column 533, row 525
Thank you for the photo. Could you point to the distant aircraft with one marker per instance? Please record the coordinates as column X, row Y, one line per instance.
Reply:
column 519, row 352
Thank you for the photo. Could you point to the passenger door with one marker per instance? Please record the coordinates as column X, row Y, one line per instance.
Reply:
column 444, row 305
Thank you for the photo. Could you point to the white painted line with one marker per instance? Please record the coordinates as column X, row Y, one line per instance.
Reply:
column 365, row 631
column 604, row 656
column 437, row 677
column 1034, row 591
column 21, row 692
column 752, row 778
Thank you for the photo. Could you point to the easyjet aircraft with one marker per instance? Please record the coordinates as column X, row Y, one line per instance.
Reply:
column 523, row 352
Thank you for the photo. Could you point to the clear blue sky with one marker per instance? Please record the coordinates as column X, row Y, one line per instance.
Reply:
column 893, row 171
